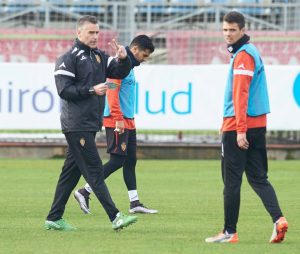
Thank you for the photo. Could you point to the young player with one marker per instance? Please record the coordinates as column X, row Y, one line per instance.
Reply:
column 120, row 129
column 246, row 107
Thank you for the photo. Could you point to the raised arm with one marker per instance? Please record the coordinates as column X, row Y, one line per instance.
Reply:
column 120, row 65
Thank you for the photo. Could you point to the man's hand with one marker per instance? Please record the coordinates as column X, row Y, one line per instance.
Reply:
column 120, row 126
column 242, row 141
column 120, row 50
column 100, row 89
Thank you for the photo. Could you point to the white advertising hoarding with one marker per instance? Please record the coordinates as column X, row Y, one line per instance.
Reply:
column 168, row 97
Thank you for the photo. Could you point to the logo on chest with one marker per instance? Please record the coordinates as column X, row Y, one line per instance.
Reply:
column 98, row 59
column 82, row 142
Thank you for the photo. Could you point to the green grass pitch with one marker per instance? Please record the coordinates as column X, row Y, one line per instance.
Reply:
column 188, row 195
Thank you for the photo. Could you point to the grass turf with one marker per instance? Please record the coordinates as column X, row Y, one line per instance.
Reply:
column 188, row 195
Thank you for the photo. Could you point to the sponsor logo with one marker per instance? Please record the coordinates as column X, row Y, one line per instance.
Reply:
column 98, row 58
column 74, row 50
column 123, row 146
column 82, row 142
column 230, row 49
column 82, row 58
column 62, row 65
column 241, row 66
column 80, row 52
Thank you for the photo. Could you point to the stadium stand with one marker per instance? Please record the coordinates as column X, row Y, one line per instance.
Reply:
column 80, row 6
column 257, row 11
column 172, row 24
column 183, row 6
column 13, row 6
column 150, row 7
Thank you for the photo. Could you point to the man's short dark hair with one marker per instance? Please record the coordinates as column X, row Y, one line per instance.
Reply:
column 235, row 17
column 143, row 42
column 86, row 19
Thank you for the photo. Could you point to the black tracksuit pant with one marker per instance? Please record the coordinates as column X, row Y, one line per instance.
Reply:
column 254, row 162
column 122, row 149
column 82, row 159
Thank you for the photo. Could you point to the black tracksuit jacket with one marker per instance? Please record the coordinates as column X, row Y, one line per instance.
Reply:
column 76, row 72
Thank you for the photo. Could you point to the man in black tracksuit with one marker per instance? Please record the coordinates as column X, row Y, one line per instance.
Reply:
column 80, row 76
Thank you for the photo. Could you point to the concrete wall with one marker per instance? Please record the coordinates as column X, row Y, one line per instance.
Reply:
column 145, row 151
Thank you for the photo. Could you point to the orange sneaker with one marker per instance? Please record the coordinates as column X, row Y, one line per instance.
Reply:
column 223, row 238
column 280, row 228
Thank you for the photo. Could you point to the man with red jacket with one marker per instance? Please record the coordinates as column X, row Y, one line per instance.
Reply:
column 246, row 106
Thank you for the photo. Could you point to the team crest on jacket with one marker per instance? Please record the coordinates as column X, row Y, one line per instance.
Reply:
column 98, row 58
column 82, row 142
column 123, row 146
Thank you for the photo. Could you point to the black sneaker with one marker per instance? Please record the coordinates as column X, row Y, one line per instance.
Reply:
column 137, row 207
column 83, row 200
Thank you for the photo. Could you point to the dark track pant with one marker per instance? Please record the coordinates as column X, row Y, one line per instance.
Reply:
column 254, row 162
column 82, row 159
column 122, row 149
